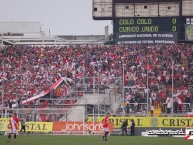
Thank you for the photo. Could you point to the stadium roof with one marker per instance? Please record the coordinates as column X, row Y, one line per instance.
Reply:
column 53, row 40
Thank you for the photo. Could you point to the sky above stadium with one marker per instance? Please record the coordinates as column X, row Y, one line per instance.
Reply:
column 62, row 17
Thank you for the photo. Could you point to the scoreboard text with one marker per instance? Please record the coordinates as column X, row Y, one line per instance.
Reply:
column 148, row 25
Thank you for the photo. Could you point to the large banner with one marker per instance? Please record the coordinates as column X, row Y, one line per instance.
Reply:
column 79, row 126
column 30, row 126
column 39, row 126
column 57, row 126
column 43, row 93
column 171, row 122
column 4, row 122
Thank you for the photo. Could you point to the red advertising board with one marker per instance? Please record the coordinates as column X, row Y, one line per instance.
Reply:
column 79, row 126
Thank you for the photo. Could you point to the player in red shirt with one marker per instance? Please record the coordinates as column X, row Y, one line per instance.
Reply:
column 13, row 126
column 105, row 126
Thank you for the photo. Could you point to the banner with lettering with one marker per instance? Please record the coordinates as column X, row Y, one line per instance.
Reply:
column 80, row 126
column 171, row 122
column 4, row 123
column 39, row 126
column 30, row 126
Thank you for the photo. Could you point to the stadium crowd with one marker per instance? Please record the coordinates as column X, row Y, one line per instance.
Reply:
column 25, row 71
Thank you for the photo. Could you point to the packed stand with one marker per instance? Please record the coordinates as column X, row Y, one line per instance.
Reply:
column 26, row 71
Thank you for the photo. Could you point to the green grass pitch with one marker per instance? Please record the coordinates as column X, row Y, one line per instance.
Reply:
column 93, row 140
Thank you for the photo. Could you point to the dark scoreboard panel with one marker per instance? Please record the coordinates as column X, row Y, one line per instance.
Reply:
column 152, row 25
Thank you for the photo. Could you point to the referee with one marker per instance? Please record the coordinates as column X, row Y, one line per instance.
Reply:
column 23, row 120
column 124, row 127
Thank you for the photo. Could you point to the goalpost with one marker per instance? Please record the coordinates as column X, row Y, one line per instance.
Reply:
column 52, row 120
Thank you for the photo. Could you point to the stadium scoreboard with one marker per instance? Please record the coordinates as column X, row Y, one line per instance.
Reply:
column 147, row 21
column 170, row 24
column 152, row 29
